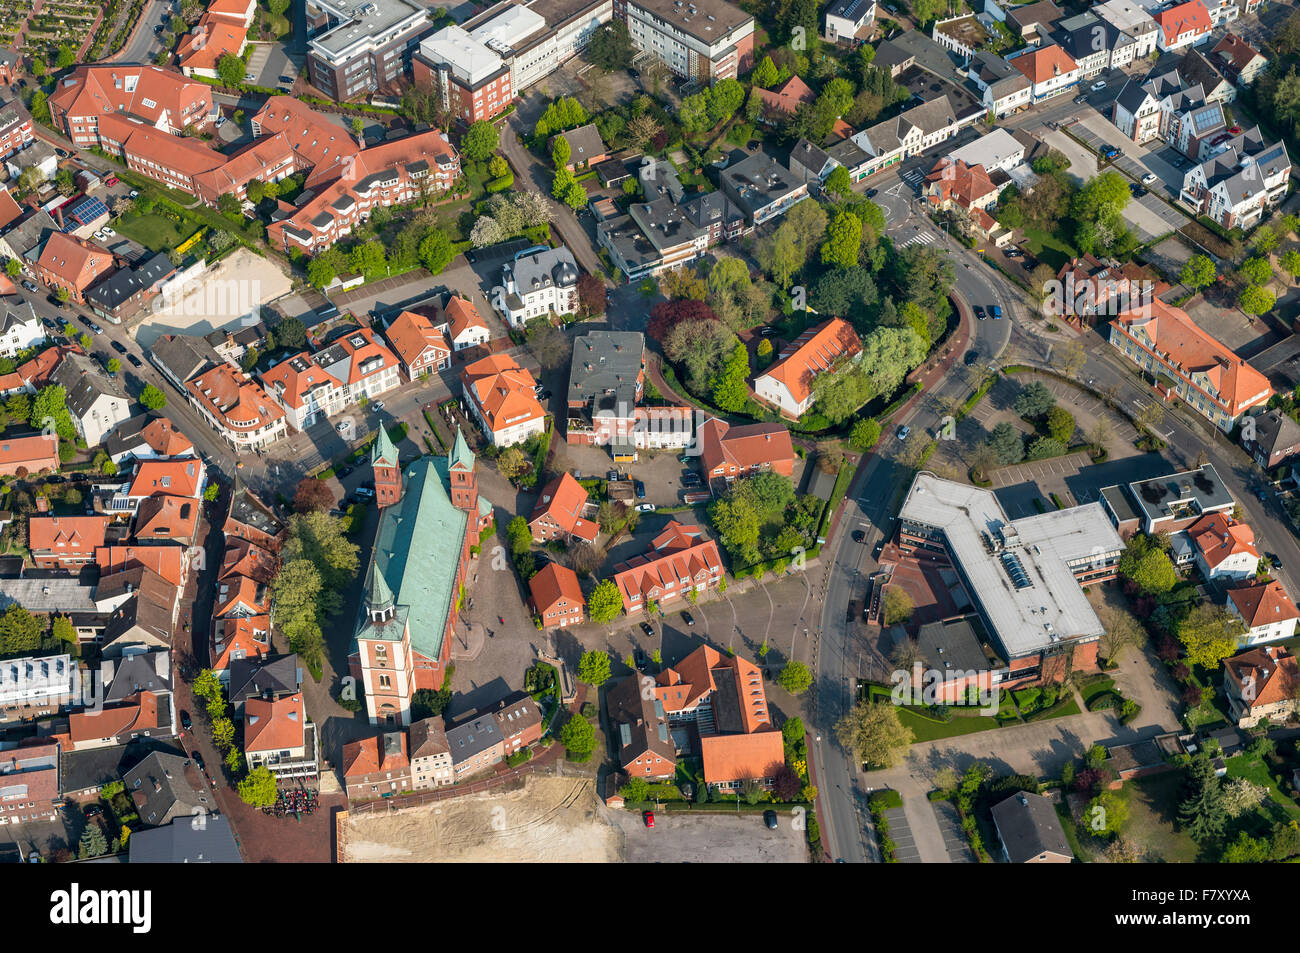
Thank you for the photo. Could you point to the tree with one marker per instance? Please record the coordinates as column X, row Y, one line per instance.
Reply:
column 436, row 251
column 897, row 606
column 765, row 74
column 62, row 629
column 843, row 241
column 1151, row 572
column 605, row 602
column 151, row 398
column 864, row 435
column 1034, row 401
column 575, row 196
column 728, row 387
column 873, row 734
column 13, row 267
column 113, row 366
column 1209, row 634
column 20, row 631
column 1290, row 262
column 511, row 463
column 591, row 295
column 230, row 69
column 1265, row 240
column 561, row 152
column 1121, row 631
column 1070, row 358
column 796, row 678
column 1241, row 796
column 1007, row 444
column 259, row 788
column 1060, row 424
column 1256, row 300
column 838, row 183
column 1246, row 849
column 498, row 167
column 313, row 495
column 1202, row 813
column 578, row 737
column 610, row 47
column 321, row 272
column 479, row 141
column 66, row 56
column 62, row 294
column 635, row 791
column 1107, row 813
column 593, row 668
column 92, row 843
column 1255, row 271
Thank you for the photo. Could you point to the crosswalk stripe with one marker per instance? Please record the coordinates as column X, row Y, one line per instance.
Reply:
column 922, row 239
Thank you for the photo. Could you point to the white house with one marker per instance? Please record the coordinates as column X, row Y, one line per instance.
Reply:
column 912, row 132
column 1225, row 549
column 850, row 21
column 1005, row 88
column 1184, row 25
column 1133, row 21
column 1237, row 186
column 1050, row 69
column 311, row 387
column 465, row 326
column 538, row 283
column 997, row 150
column 1266, row 609
column 96, row 403
column 787, row 384
column 20, row 328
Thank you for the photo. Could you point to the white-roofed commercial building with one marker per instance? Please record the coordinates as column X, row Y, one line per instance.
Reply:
column 1025, row 577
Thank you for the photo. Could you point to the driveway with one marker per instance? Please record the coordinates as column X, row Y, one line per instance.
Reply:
column 714, row 838
column 954, row 838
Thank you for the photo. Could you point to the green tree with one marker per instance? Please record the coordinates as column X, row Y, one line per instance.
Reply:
column 561, row 152
column 593, row 668
column 1060, row 424
column 66, row 57
column 92, row 843
column 605, row 602
column 259, row 788
column 62, row 629
column 838, row 183
column 114, row 365
column 1256, row 300
column 843, row 241
column 13, row 268
column 1290, row 262
column 765, row 74
column 610, row 47
column 874, row 734
column 1265, row 240
column 796, row 678
column 865, row 434
column 20, row 631
column 1034, row 400
column 1255, row 271
column 576, row 196
column 1209, row 634
column 1202, row 813
column 151, row 398
column 321, row 272
column 1106, row 814
column 369, row 258
column 230, row 69
column 728, row 387
column 578, row 737
column 436, row 251
column 1198, row 273
column 635, row 791
column 1247, row 850
column 498, row 167
column 1007, row 444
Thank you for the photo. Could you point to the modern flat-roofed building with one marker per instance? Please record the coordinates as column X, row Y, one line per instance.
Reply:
column 1166, row 504
column 355, row 47
column 850, row 21
column 762, row 188
column 1025, row 577
column 703, row 40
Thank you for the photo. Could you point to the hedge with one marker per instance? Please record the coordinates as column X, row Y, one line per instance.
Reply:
column 506, row 181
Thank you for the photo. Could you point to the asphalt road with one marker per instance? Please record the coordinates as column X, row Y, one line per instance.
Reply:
column 144, row 45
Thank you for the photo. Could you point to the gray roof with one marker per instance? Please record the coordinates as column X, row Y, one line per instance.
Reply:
column 55, row 593
column 144, row 671
column 95, row 767
column 758, row 181
column 254, row 677
column 183, row 842
column 1240, row 178
column 17, row 312
column 149, row 613
column 184, row 356
column 1044, row 13
column 85, row 384
column 553, row 268
column 1078, row 36
column 246, row 508
column 605, row 369
column 584, row 144
column 1275, row 430
column 855, row 10
column 126, row 436
column 1028, row 826
column 929, row 117
column 366, row 19
column 471, row 737
column 125, row 283
column 811, row 157
column 664, row 222
column 952, row 644
column 848, row 154
column 27, row 237
column 1178, row 495
column 1197, row 70
column 929, row 55
column 167, row 786
column 639, row 723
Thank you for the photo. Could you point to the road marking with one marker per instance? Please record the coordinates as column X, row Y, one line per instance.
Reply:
column 924, row 238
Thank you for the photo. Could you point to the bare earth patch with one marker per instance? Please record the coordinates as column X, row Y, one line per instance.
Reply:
column 546, row 820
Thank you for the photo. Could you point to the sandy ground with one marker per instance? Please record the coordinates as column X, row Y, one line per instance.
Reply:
column 226, row 296
column 547, row 820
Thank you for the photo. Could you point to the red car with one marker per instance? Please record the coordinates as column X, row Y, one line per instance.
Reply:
column 111, row 180
column 649, row 817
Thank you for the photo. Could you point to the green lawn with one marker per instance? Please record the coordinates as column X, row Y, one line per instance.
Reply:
column 1153, row 806
column 1279, row 806
column 1049, row 249
column 152, row 231
column 927, row 729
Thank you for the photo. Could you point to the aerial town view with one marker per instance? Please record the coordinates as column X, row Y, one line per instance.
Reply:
column 649, row 431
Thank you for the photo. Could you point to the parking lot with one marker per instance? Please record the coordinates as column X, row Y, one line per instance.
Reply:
column 714, row 838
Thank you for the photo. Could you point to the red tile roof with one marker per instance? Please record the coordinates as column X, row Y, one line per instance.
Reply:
column 503, row 390
column 138, row 713
column 742, row 757
column 234, row 399
column 954, row 180
column 1185, row 18
column 369, row 756
column 239, row 637
column 745, row 447
column 66, row 534
column 244, row 558
column 563, row 500
column 153, row 94
column 37, row 452
column 814, row 351
column 553, row 583
column 679, row 555
column 412, row 334
column 1218, row 536
column 77, row 263
column 787, row 97
column 166, row 561
column 182, row 477
column 1045, row 63
column 274, row 724
column 167, row 517
column 1271, row 672
column 1174, row 334
column 462, row 316
column 161, row 435
column 213, row 38
column 1263, row 603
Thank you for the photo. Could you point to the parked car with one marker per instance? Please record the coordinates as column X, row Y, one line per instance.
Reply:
column 979, row 311
column 343, row 471
column 28, row 285
column 220, row 121
column 1081, row 99
column 611, row 475
column 186, row 722
column 1100, row 84
column 99, row 233
column 1235, row 130
column 378, row 405
column 645, row 507
column 639, row 488
column 769, row 818
column 688, row 618
column 340, row 426
column 1110, row 152
column 134, row 361
column 649, row 818
column 110, row 181
column 134, row 193
column 859, row 536
column 118, row 346
column 871, row 193
column 365, row 493
column 198, row 760
column 1273, row 558
column 648, row 629
column 92, row 810
column 1150, row 178
column 903, row 431
column 971, row 358
column 996, row 311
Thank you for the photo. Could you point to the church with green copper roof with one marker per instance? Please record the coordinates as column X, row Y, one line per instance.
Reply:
column 431, row 515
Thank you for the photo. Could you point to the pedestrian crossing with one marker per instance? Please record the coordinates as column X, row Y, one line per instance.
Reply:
column 921, row 238
column 913, row 177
